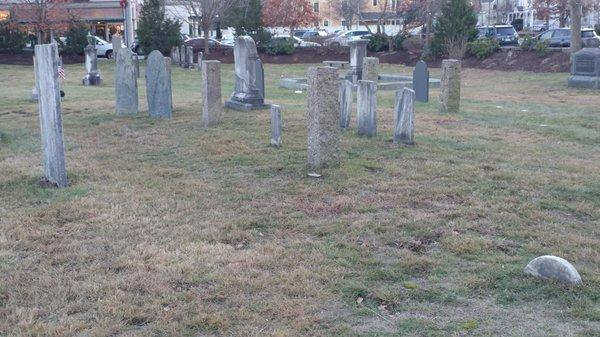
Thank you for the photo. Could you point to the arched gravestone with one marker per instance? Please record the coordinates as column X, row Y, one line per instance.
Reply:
column 421, row 81
column 158, row 86
column 126, row 90
column 249, row 77
column 585, row 69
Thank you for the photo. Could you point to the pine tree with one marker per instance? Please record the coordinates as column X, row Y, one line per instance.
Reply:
column 155, row 31
column 455, row 26
column 246, row 18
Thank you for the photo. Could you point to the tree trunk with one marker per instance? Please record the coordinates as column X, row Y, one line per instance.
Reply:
column 575, row 25
column 205, row 32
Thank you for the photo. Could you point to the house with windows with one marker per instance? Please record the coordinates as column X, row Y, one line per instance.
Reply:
column 366, row 13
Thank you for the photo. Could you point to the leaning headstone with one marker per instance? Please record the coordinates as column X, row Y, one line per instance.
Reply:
column 367, row 108
column 323, row 117
column 370, row 69
column 404, row 119
column 554, row 268
column 346, row 88
column 450, row 86
column 158, row 86
column 248, row 94
column 92, row 76
column 260, row 78
column 211, row 93
column 46, row 76
column 116, row 45
column 421, row 81
column 358, row 51
column 275, row 125
column 126, row 89
column 189, row 57
column 585, row 69
column 175, row 55
column 200, row 57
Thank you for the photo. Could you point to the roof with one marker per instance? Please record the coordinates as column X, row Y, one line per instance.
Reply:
column 372, row 16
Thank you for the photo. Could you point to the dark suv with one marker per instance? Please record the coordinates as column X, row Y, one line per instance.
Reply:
column 561, row 37
column 506, row 35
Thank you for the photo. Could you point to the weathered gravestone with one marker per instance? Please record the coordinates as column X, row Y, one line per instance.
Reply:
column 323, row 117
column 421, row 81
column 189, row 57
column 175, row 55
column 370, row 69
column 404, row 119
column 367, row 108
column 182, row 56
column 200, row 58
column 585, row 69
column 116, row 44
column 358, row 51
column 158, row 86
column 126, row 89
column 249, row 78
column 136, row 65
column 211, row 93
column 345, row 98
column 46, row 76
column 92, row 76
column 275, row 125
column 553, row 268
column 450, row 86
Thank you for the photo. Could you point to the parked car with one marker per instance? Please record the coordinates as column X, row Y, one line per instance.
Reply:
column 105, row 48
column 344, row 38
column 299, row 32
column 561, row 37
column 298, row 42
column 312, row 34
column 505, row 34
column 197, row 44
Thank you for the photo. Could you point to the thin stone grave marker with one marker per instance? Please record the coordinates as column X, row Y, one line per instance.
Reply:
column 158, row 86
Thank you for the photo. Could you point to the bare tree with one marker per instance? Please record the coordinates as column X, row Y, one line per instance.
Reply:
column 348, row 10
column 45, row 17
column 576, row 8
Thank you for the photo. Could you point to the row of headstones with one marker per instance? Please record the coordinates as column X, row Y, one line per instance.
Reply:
column 184, row 57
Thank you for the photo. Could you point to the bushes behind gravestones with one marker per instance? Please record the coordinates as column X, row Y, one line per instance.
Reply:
column 412, row 43
column 280, row 47
column 155, row 31
column 379, row 42
column 455, row 26
column 483, row 48
column 12, row 38
column 528, row 43
column 76, row 39
column 542, row 48
column 399, row 40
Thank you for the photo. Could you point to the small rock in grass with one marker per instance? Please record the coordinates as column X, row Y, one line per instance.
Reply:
column 550, row 267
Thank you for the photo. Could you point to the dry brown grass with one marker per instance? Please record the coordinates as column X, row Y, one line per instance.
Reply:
column 170, row 229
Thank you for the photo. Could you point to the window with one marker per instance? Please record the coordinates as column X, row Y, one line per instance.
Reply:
column 316, row 7
column 546, row 35
column 344, row 23
column 325, row 23
column 4, row 15
column 562, row 33
column 374, row 2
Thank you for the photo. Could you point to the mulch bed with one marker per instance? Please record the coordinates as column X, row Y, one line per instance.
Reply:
column 513, row 60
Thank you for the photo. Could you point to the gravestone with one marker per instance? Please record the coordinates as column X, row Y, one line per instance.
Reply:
column 211, row 93
column 182, row 56
column 553, row 268
column 323, row 118
column 404, row 119
column 158, row 86
column 46, row 76
column 421, row 81
column 116, row 45
column 92, row 76
column 200, row 58
column 189, row 57
column 367, row 108
column 168, row 64
column 249, row 92
column 358, row 51
column 175, row 55
column 346, row 88
column 136, row 65
column 585, row 69
column 275, row 125
column 370, row 69
column 34, row 94
column 126, row 90
column 450, row 86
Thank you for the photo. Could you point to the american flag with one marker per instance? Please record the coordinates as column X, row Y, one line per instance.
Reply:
column 61, row 72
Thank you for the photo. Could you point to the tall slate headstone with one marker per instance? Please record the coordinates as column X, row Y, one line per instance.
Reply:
column 175, row 55
column 182, row 56
column 275, row 125
column 211, row 93
column 260, row 78
column 158, row 86
column 404, row 118
column 421, row 81
column 199, row 60
column 46, row 76
column 450, row 86
column 367, row 108
column 346, row 99
column 189, row 57
column 249, row 92
column 323, row 118
column 358, row 51
column 370, row 69
column 126, row 90
column 117, row 42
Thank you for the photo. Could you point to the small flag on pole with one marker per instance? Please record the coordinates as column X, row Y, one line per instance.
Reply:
column 61, row 72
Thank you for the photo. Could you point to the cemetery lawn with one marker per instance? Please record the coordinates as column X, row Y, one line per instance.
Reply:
column 170, row 229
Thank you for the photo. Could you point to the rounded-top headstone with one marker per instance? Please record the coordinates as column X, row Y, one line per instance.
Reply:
column 554, row 268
